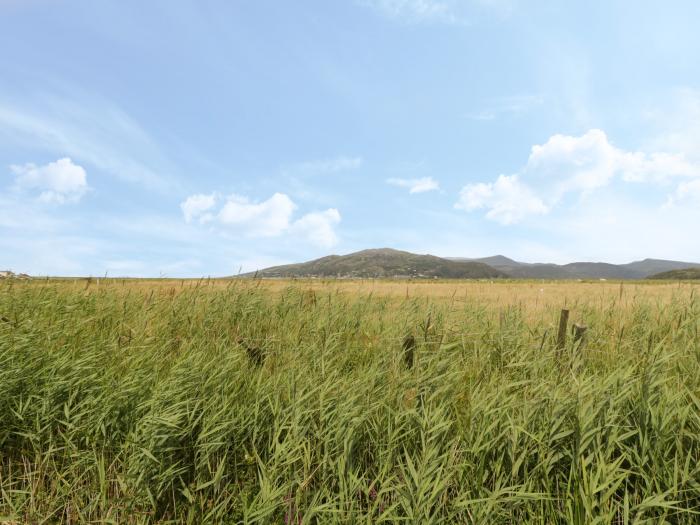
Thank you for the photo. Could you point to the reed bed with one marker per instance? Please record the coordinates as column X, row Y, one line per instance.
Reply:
column 232, row 402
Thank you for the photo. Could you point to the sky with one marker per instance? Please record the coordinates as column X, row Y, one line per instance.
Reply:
column 191, row 138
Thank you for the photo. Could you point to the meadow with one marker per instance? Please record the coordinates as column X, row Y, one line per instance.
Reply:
column 242, row 401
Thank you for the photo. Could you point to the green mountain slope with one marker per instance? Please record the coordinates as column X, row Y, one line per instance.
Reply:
column 384, row 263
column 649, row 267
column 678, row 275
column 581, row 270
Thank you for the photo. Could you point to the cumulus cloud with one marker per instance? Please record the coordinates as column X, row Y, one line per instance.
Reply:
column 507, row 200
column 59, row 182
column 197, row 206
column 415, row 185
column 318, row 227
column 591, row 161
column 565, row 163
column 269, row 218
column 264, row 219
column 655, row 167
column 570, row 165
column 685, row 192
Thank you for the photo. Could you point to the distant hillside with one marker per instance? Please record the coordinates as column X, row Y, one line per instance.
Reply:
column 384, row 263
column 389, row 263
column 684, row 274
column 587, row 270
column 581, row 270
column 649, row 267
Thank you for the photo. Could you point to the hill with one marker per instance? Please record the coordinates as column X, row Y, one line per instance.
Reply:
column 581, row 270
column 649, row 267
column 389, row 263
column 384, row 263
column 684, row 274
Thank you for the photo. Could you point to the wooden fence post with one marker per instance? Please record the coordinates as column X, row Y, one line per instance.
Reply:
column 563, row 323
column 579, row 331
column 409, row 349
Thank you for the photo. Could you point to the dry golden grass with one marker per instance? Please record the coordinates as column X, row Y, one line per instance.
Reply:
column 532, row 296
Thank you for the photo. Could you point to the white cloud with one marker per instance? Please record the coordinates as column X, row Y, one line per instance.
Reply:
column 317, row 227
column 415, row 185
column 270, row 218
column 590, row 161
column 570, row 165
column 60, row 181
column 565, row 163
column 655, row 167
column 685, row 192
column 507, row 200
column 265, row 219
column 196, row 206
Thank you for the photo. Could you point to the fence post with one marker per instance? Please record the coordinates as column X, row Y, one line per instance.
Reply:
column 563, row 322
column 579, row 331
column 409, row 348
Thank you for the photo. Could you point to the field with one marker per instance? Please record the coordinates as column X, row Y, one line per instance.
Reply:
column 168, row 401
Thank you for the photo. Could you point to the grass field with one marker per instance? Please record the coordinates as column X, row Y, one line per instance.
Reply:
column 291, row 402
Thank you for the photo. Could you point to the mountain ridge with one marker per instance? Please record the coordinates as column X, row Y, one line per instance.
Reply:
column 391, row 263
column 583, row 270
column 383, row 263
column 683, row 274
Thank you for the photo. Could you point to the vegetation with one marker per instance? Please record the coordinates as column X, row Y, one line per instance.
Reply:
column 388, row 263
column 679, row 275
column 385, row 263
column 246, row 402
column 583, row 270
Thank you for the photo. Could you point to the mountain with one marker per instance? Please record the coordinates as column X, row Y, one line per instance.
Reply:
column 649, row 267
column 684, row 274
column 389, row 263
column 597, row 270
column 521, row 270
column 581, row 270
column 384, row 263
column 495, row 260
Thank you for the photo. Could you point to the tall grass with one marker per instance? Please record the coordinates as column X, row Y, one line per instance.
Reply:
column 123, row 404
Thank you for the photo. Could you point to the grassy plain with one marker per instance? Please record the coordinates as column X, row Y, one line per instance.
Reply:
column 137, row 401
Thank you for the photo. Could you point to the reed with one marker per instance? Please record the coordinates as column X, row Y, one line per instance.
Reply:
column 138, row 403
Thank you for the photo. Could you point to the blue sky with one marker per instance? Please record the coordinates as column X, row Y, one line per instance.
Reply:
column 185, row 138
